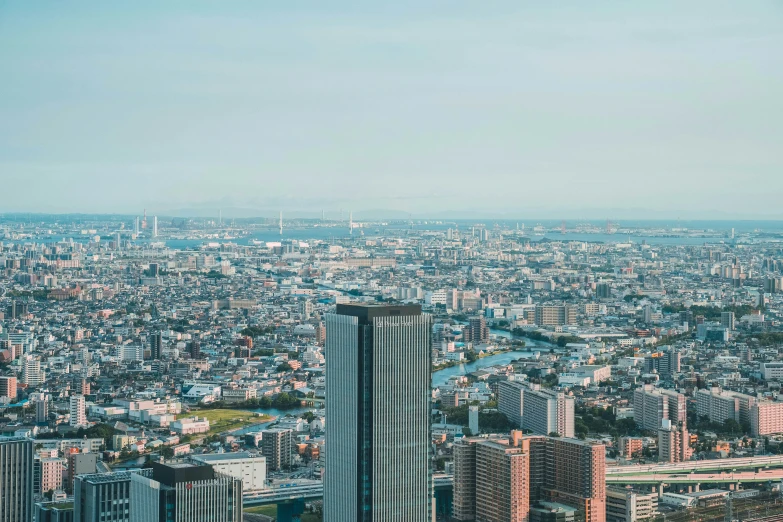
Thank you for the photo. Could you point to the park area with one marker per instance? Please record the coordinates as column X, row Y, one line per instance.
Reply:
column 223, row 420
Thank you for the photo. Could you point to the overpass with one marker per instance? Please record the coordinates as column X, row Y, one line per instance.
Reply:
column 733, row 477
column 755, row 463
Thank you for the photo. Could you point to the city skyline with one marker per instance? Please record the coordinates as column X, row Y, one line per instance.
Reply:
column 658, row 109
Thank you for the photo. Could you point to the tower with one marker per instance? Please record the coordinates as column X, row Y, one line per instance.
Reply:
column 281, row 222
column 144, row 221
column 78, row 415
column 155, row 226
column 350, row 222
column 136, row 226
column 378, row 457
column 16, row 479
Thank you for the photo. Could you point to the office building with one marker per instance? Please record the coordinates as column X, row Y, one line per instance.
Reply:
column 194, row 349
column 104, row 497
column 630, row 505
column 16, row 479
column 603, row 291
column 766, row 418
column 378, row 361
column 276, row 446
column 156, row 345
column 555, row 315
column 77, row 410
column 772, row 371
column 250, row 469
column 652, row 405
column 183, row 492
column 673, row 443
column 8, row 388
column 530, row 407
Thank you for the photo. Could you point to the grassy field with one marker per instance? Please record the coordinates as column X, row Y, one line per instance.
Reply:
column 223, row 420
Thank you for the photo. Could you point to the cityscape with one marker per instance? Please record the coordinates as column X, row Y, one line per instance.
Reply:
column 339, row 261
column 159, row 368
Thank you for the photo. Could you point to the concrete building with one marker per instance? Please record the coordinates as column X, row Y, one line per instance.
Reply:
column 473, row 420
column 575, row 475
column 772, row 371
column 476, row 331
column 464, row 503
column 78, row 411
column 543, row 411
column 630, row 447
column 665, row 363
column 80, row 464
column 276, row 446
column 189, row 426
column 673, row 443
column 58, row 511
column 721, row 405
column 250, row 469
column 727, row 320
column 629, row 505
column 652, row 405
column 378, row 405
column 104, row 497
column 49, row 473
column 8, row 388
column 502, row 483
column 182, row 492
column 766, row 418
column 16, row 479
column 555, row 315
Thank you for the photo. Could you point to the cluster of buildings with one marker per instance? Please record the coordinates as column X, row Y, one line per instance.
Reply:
column 477, row 353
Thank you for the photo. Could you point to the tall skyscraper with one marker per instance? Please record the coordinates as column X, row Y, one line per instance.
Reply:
column 156, row 345
column 16, row 479
column 77, row 410
column 183, row 492
column 155, row 226
column 378, row 361
column 104, row 497
column 502, row 483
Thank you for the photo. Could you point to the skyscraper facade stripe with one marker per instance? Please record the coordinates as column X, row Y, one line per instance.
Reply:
column 378, row 361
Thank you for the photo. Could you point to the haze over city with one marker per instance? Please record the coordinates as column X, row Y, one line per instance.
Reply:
column 458, row 109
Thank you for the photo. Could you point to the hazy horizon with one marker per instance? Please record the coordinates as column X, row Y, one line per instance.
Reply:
column 609, row 110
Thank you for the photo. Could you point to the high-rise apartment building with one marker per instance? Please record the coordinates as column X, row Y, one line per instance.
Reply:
column 8, row 388
column 276, row 446
column 104, row 497
column 16, row 479
column 476, row 331
column 555, row 315
column 156, row 345
column 540, row 410
column 48, row 474
column 378, row 361
column 766, row 418
column 78, row 412
column 665, row 363
column 499, row 479
column 721, row 405
column 652, row 405
column 673, row 443
column 727, row 320
column 182, row 492
column 32, row 374
column 42, row 411
column 502, row 483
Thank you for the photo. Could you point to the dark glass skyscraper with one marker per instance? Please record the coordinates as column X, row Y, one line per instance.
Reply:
column 378, row 364
column 16, row 479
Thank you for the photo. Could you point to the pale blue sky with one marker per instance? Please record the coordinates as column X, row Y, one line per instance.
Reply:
column 543, row 109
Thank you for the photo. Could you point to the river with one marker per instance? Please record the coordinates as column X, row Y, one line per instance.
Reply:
column 440, row 377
